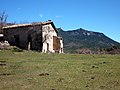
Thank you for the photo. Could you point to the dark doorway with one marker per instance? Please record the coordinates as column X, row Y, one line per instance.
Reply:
column 17, row 40
column 48, row 47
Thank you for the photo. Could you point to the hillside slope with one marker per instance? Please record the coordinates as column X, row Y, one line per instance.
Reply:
column 81, row 38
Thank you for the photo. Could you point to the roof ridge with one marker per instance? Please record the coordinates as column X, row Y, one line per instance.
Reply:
column 30, row 24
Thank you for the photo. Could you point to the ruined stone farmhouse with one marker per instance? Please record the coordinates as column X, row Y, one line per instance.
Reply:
column 41, row 36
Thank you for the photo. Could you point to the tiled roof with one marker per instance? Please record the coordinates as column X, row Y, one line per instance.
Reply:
column 25, row 25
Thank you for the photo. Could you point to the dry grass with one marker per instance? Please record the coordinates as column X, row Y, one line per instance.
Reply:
column 36, row 71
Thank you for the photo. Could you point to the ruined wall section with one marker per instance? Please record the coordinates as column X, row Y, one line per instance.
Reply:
column 16, row 36
column 47, row 33
column 24, row 35
column 35, row 38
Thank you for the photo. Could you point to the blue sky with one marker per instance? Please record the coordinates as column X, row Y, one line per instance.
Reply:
column 94, row 15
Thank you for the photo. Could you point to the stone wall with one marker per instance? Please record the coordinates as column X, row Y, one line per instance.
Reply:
column 47, row 35
column 36, row 36
column 22, row 36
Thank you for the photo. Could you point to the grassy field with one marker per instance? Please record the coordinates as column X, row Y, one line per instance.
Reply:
column 36, row 71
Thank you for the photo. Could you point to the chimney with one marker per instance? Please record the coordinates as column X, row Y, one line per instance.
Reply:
column 50, row 20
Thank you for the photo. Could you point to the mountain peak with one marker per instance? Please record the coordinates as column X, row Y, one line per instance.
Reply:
column 81, row 38
column 88, row 32
column 81, row 32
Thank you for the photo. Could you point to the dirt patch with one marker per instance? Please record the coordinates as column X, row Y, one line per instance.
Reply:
column 92, row 77
column 102, row 87
column 86, row 86
column 5, row 74
column 53, row 89
column 94, row 66
column 102, row 63
column 84, row 71
column 44, row 74
column 99, row 63
column 2, row 63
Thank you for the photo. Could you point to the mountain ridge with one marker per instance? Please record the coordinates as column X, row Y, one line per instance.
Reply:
column 82, row 38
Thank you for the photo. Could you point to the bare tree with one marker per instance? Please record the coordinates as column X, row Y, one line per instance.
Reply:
column 47, row 34
column 3, row 19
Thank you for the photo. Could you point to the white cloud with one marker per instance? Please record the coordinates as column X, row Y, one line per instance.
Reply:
column 58, row 16
column 41, row 15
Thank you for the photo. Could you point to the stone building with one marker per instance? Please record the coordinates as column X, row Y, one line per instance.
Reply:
column 41, row 36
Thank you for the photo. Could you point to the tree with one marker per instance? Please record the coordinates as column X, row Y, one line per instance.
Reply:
column 47, row 34
column 3, row 19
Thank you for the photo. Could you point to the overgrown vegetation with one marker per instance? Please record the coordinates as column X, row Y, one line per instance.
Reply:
column 36, row 71
column 112, row 50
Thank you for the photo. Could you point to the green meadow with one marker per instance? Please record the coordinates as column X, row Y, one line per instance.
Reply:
column 37, row 71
